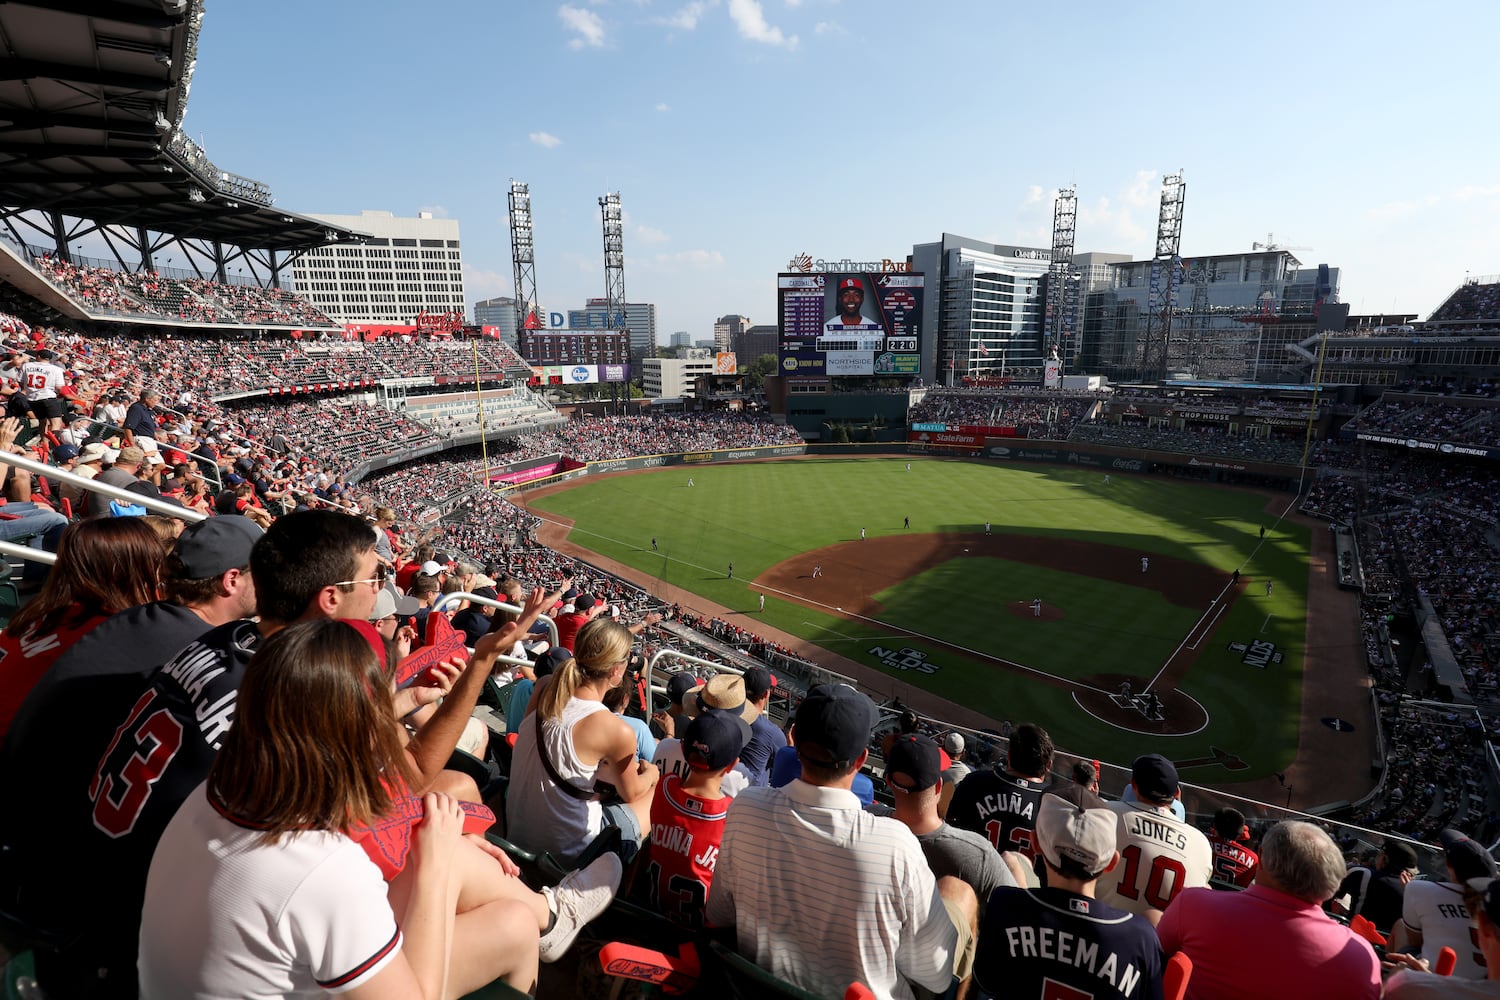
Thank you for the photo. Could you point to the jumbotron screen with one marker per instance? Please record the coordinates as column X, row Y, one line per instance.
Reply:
column 842, row 323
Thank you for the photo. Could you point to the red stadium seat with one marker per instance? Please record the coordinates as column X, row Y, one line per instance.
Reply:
column 1174, row 979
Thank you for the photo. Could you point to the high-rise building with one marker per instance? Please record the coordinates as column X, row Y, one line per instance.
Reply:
column 754, row 342
column 407, row 266
column 682, row 339
column 983, row 309
column 499, row 312
column 640, row 319
column 726, row 328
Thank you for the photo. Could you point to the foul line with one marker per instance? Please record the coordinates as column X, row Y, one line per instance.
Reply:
column 1218, row 603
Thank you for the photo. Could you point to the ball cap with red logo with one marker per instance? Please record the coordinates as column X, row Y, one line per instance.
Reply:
column 849, row 283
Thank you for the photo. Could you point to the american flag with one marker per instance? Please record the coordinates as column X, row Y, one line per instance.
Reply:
column 983, row 351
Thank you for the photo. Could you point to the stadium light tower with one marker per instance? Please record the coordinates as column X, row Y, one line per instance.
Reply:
column 523, row 255
column 614, row 261
column 1166, row 277
column 1060, row 287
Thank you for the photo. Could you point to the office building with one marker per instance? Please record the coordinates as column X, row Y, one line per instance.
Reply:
column 407, row 266
column 500, row 312
column 1240, row 317
column 673, row 378
column 983, row 308
column 753, row 342
column 726, row 329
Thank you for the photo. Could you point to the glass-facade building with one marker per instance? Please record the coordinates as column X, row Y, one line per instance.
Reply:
column 984, row 308
column 1241, row 317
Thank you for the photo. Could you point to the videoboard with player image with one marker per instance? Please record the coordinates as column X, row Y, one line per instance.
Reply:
column 850, row 323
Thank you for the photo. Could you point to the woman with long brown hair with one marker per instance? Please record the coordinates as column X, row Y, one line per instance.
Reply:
column 256, row 888
column 568, row 744
column 103, row 566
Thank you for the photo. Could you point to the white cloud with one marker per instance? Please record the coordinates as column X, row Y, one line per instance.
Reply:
column 1144, row 190
column 586, row 23
column 1033, row 195
column 750, row 18
column 686, row 17
column 829, row 28
column 545, row 139
column 650, row 234
column 663, row 106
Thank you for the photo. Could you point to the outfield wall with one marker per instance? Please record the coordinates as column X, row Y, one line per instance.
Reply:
column 640, row 463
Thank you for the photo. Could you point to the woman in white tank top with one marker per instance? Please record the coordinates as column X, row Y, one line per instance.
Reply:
column 585, row 743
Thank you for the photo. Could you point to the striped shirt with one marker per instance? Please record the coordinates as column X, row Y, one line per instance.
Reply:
column 822, row 894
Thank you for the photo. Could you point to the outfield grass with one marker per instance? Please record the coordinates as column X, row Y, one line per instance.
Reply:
column 756, row 515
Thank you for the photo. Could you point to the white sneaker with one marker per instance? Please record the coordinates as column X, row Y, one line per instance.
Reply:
column 580, row 897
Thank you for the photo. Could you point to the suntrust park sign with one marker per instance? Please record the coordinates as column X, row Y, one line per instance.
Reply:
column 806, row 263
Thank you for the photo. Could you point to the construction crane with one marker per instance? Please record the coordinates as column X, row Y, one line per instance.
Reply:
column 1272, row 245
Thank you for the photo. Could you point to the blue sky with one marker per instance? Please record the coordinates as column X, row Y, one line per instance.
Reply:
column 741, row 132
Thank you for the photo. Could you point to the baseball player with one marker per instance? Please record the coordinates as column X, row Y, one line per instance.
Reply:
column 1036, row 608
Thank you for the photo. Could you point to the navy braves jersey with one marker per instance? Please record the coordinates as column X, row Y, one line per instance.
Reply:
column 1052, row 944
column 999, row 807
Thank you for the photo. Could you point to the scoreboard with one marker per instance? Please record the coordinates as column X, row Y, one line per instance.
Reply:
column 850, row 323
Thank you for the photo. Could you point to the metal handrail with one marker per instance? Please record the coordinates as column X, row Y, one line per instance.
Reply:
column 13, row 551
column 676, row 654
column 56, row 474
column 518, row 661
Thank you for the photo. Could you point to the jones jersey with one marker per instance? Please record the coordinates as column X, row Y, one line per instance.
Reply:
column 1160, row 855
column 999, row 807
column 685, row 835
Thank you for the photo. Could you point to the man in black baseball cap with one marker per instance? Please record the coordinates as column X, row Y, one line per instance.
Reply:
column 845, row 895
column 914, row 767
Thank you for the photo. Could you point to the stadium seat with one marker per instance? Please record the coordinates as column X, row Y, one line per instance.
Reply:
column 673, row 974
column 1174, row 979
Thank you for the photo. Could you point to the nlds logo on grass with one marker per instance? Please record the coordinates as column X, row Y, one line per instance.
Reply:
column 904, row 658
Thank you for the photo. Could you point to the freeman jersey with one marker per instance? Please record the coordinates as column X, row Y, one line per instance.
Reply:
column 1055, row 943
column 685, row 835
column 1234, row 863
column 1436, row 911
column 999, row 807
column 1160, row 855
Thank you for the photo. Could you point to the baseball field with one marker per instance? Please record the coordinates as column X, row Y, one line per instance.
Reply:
column 1078, row 587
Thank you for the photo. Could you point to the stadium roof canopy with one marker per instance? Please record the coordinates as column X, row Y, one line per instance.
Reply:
column 92, row 96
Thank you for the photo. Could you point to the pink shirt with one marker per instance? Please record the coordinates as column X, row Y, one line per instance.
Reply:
column 1263, row 943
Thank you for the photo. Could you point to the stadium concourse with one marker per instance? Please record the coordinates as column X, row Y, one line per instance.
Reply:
column 193, row 420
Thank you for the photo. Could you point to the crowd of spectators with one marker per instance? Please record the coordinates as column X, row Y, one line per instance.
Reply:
column 1472, row 301
column 195, row 300
column 1432, row 420
column 1033, row 413
column 298, row 454
column 1200, row 440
